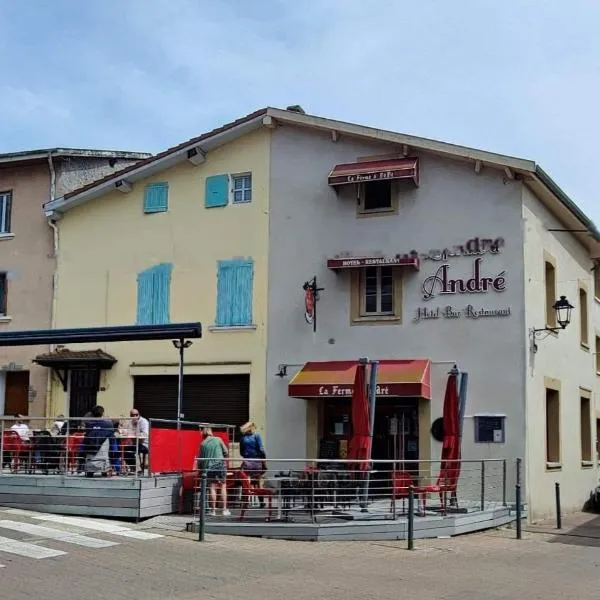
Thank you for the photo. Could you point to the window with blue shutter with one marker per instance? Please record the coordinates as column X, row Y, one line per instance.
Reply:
column 156, row 198
column 154, row 295
column 216, row 191
column 234, row 293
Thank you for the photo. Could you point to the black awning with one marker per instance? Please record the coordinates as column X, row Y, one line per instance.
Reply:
column 66, row 359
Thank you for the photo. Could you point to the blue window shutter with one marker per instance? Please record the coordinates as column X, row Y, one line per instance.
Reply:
column 216, row 191
column 144, row 297
column 225, row 286
column 156, row 198
column 242, row 297
column 234, row 293
column 161, row 292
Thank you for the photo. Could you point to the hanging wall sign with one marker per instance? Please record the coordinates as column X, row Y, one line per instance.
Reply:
column 311, row 297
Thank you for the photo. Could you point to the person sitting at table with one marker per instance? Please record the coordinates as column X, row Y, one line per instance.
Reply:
column 57, row 425
column 98, row 443
column 138, row 430
column 22, row 428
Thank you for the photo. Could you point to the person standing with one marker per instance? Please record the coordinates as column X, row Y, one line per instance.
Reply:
column 253, row 452
column 140, row 431
column 98, row 443
column 212, row 455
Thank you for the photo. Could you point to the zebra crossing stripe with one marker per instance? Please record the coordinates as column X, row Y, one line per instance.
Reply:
column 28, row 550
column 56, row 534
column 104, row 527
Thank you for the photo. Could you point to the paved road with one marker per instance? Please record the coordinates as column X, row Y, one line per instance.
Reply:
column 91, row 559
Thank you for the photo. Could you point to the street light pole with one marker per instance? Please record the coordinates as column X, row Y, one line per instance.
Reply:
column 181, row 345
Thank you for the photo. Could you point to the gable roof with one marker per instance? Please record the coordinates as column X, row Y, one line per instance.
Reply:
column 532, row 174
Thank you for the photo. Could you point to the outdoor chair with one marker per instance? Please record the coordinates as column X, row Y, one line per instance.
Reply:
column 447, row 483
column 401, row 482
column 73, row 450
column 251, row 491
column 16, row 448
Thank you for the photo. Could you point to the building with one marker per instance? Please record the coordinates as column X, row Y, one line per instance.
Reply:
column 27, row 242
column 428, row 255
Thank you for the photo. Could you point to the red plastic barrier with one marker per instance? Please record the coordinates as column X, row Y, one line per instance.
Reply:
column 167, row 446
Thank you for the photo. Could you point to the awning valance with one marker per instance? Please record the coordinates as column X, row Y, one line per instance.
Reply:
column 403, row 378
column 357, row 262
column 71, row 359
column 375, row 170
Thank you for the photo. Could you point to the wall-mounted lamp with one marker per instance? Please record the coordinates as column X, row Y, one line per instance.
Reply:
column 562, row 307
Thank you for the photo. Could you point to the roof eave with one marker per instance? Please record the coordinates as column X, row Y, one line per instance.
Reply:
column 36, row 155
column 61, row 205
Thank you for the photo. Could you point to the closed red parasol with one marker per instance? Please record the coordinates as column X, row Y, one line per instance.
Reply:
column 360, row 443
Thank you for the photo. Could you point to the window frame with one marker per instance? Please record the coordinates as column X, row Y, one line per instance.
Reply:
column 374, row 212
column 477, row 418
column 587, row 454
column 597, row 353
column 596, row 281
column 584, row 320
column 551, row 464
column 357, row 293
column 3, row 295
column 379, row 275
column 6, row 197
column 245, row 190
column 550, row 294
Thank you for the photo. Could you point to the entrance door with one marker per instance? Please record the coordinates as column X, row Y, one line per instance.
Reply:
column 83, row 391
column 17, row 393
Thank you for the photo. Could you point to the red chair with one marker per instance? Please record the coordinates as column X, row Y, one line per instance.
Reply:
column 447, row 482
column 252, row 491
column 16, row 447
column 190, row 481
column 401, row 482
column 74, row 442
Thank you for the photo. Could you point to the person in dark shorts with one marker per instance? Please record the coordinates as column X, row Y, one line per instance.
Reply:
column 213, row 453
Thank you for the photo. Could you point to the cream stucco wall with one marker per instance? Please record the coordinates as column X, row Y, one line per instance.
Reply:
column 105, row 243
column 560, row 360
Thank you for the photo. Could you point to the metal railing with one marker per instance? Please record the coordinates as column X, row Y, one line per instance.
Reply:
column 324, row 491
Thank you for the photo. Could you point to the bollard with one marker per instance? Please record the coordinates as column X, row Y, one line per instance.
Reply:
column 202, row 507
column 518, row 503
column 411, row 518
column 482, row 485
column 504, row 482
column 558, row 511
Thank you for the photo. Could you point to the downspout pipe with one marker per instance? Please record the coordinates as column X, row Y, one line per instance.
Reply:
column 55, row 247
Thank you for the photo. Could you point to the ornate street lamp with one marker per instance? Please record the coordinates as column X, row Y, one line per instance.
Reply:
column 562, row 307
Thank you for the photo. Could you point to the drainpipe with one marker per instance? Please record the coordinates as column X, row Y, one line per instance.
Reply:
column 54, row 228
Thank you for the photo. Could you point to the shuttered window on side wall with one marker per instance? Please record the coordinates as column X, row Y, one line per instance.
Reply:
column 216, row 191
column 235, row 282
column 156, row 198
column 154, row 295
column 206, row 398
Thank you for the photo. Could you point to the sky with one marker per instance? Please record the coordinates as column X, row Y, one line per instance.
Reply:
column 516, row 77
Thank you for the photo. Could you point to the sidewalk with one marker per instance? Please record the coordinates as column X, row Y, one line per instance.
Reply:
column 581, row 529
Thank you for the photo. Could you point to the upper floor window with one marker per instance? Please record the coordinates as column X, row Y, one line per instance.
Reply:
column 3, row 295
column 221, row 190
column 377, row 197
column 550, row 292
column 156, row 198
column 5, row 211
column 234, row 293
column 376, row 294
column 154, row 294
column 597, row 281
column 242, row 188
column 583, row 317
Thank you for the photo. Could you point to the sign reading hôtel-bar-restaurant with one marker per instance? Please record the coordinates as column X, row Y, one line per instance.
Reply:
column 443, row 283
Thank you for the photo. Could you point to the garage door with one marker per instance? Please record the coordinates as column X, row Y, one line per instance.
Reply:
column 206, row 398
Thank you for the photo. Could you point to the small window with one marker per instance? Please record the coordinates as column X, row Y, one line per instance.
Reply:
column 583, row 317
column 550, row 285
column 5, row 211
column 242, row 189
column 489, row 429
column 377, row 297
column 586, row 429
column 552, row 428
column 597, row 355
column 376, row 196
column 3, row 294
column 156, row 198
column 597, row 280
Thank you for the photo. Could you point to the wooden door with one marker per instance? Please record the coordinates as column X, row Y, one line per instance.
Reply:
column 16, row 399
column 83, row 391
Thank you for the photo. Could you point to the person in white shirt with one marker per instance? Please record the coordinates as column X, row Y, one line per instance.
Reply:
column 57, row 425
column 22, row 428
column 140, row 430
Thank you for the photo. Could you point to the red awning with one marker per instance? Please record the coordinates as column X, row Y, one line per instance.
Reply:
column 375, row 170
column 356, row 262
column 403, row 378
